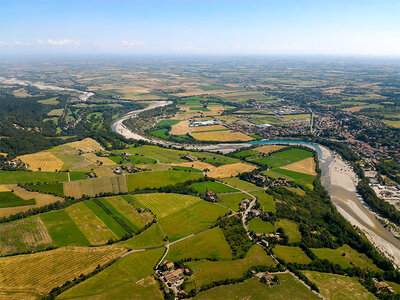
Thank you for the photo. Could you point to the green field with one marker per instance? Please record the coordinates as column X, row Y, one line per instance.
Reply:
column 158, row 179
column 203, row 187
column 191, row 219
column 119, row 281
column 299, row 178
column 266, row 201
column 291, row 230
column 339, row 287
column 289, row 288
column 346, row 257
column 107, row 219
column 23, row 235
column 51, row 188
column 186, row 169
column 206, row 271
column 246, row 154
column 232, row 200
column 259, row 226
column 9, row 199
column 76, row 175
column 89, row 224
column 63, row 230
column 291, row 254
column 50, row 101
column 13, row 177
column 282, row 158
column 151, row 237
column 166, row 123
column 163, row 204
column 160, row 133
column 127, row 210
column 137, row 159
column 241, row 184
column 209, row 244
column 172, row 156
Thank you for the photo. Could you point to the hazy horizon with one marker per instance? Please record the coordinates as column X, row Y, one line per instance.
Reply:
column 203, row 28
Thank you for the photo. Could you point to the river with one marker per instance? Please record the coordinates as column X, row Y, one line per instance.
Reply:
column 336, row 176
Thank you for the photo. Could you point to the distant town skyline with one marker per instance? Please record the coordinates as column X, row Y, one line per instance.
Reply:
column 183, row 27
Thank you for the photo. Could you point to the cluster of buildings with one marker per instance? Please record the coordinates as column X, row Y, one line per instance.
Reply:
column 173, row 277
column 382, row 286
column 203, row 123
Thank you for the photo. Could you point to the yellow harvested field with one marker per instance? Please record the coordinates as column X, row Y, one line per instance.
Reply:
column 306, row 166
column 230, row 170
column 208, row 128
column 41, row 200
column 3, row 188
column 43, row 271
column 42, row 161
column 180, row 128
column 21, row 93
column 269, row 148
column 86, row 145
column 221, row 136
column 17, row 296
column 94, row 158
column 196, row 164
column 73, row 189
column 3, row 154
column 353, row 109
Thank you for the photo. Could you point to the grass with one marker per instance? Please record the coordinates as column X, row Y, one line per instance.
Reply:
column 107, row 219
column 350, row 258
column 209, row 244
column 160, row 133
column 14, row 177
column 282, row 158
column 232, row 200
column 246, row 154
column 300, row 178
column 89, row 224
column 51, row 188
column 76, row 175
column 163, row 204
column 23, row 235
column 134, row 217
column 186, row 169
column 191, row 219
column 63, row 230
column 111, row 184
column 118, row 214
column 39, row 273
column 291, row 254
column 9, row 199
column 259, row 226
column 119, row 281
column 203, row 187
column 291, row 230
column 206, row 271
column 338, row 287
column 158, row 179
column 265, row 200
column 199, row 108
column 289, row 288
column 136, row 159
column 395, row 286
column 166, row 123
column 241, row 184
column 50, row 101
column 151, row 237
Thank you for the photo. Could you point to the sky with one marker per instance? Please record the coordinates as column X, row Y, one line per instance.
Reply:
column 202, row 27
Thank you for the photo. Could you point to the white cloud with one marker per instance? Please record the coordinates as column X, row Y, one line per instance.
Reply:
column 50, row 42
column 133, row 44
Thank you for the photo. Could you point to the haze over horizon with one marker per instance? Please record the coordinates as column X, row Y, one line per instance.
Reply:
column 174, row 27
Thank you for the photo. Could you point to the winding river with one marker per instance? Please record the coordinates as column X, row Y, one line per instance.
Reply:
column 336, row 176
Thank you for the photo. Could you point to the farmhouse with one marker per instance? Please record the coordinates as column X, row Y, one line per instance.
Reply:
column 254, row 212
column 264, row 243
column 266, row 278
